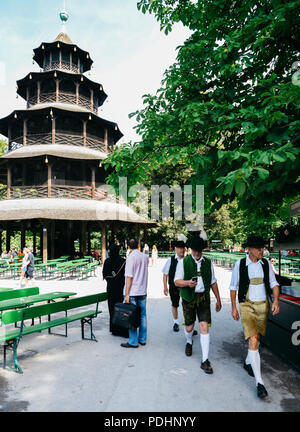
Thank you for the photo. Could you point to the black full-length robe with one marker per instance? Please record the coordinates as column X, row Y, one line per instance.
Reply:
column 115, row 286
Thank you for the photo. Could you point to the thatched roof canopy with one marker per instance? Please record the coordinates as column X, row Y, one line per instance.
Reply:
column 69, row 209
column 59, row 150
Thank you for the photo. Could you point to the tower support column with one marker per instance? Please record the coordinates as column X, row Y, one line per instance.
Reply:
column 23, row 235
column 8, row 234
column 45, row 245
column 103, row 242
column 8, row 181
column 84, row 132
column 49, row 180
column 93, row 182
column 34, row 241
column 83, row 238
column 52, row 240
column 24, row 132
column 53, row 130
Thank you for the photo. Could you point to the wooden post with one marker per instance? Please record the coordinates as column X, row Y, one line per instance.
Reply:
column 27, row 96
column 83, row 238
column 8, row 234
column 45, row 245
column 41, row 241
column 77, row 93
column 113, row 236
column 69, row 239
column 9, row 137
column 93, row 182
column 138, row 236
column 106, row 140
column 39, row 92
column 34, row 241
column 89, row 241
column 49, row 180
column 57, row 90
column 8, row 181
column 92, row 100
column 53, row 131
column 24, row 172
column 23, row 235
column 103, row 242
column 84, row 132
column 24, row 132
column 52, row 240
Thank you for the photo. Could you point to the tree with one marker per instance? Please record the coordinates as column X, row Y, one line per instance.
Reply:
column 227, row 109
column 3, row 147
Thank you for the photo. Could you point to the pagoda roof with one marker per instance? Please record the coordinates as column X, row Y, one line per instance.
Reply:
column 36, row 76
column 48, row 46
column 70, row 209
column 58, row 150
column 57, row 109
column 63, row 37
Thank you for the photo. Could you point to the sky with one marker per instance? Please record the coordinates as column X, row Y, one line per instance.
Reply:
column 130, row 52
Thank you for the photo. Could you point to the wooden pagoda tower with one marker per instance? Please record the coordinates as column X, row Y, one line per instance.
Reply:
column 53, row 183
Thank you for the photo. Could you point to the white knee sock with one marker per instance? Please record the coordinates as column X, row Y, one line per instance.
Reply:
column 176, row 321
column 247, row 361
column 204, row 340
column 255, row 363
column 189, row 336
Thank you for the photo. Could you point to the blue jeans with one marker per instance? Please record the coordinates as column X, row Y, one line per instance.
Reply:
column 139, row 335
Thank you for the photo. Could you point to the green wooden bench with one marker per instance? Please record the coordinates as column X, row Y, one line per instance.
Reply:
column 11, row 337
column 13, row 294
column 90, row 268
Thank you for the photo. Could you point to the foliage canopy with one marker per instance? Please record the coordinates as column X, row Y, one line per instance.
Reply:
column 228, row 108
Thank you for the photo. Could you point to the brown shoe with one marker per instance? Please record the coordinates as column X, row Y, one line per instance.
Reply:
column 207, row 367
column 127, row 345
column 188, row 350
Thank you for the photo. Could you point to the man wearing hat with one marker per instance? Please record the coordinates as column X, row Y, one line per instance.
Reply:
column 254, row 279
column 169, row 271
column 195, row 278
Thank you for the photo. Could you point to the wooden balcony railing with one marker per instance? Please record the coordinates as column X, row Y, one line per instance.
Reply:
column 65, row 192
column 67, row 98
column 66, row 138
column 65, row 66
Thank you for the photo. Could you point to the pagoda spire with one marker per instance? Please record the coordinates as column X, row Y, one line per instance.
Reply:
column 64, row 16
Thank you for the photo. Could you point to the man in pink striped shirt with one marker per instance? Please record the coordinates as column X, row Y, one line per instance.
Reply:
column 135, row 291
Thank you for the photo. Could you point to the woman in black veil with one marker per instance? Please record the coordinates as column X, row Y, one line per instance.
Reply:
column 114, row 274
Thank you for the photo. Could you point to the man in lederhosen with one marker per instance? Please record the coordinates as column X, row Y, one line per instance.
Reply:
column 195, row 278
column 169, row 271
column 254, row 279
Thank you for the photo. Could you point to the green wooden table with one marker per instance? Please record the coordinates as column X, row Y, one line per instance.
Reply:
column 6, row 289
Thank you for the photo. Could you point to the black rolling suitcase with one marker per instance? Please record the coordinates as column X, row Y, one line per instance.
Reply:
column 127, row 315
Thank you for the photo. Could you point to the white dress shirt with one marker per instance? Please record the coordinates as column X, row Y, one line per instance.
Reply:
column 255, row 270
column 166, row 268
column 179, row 275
